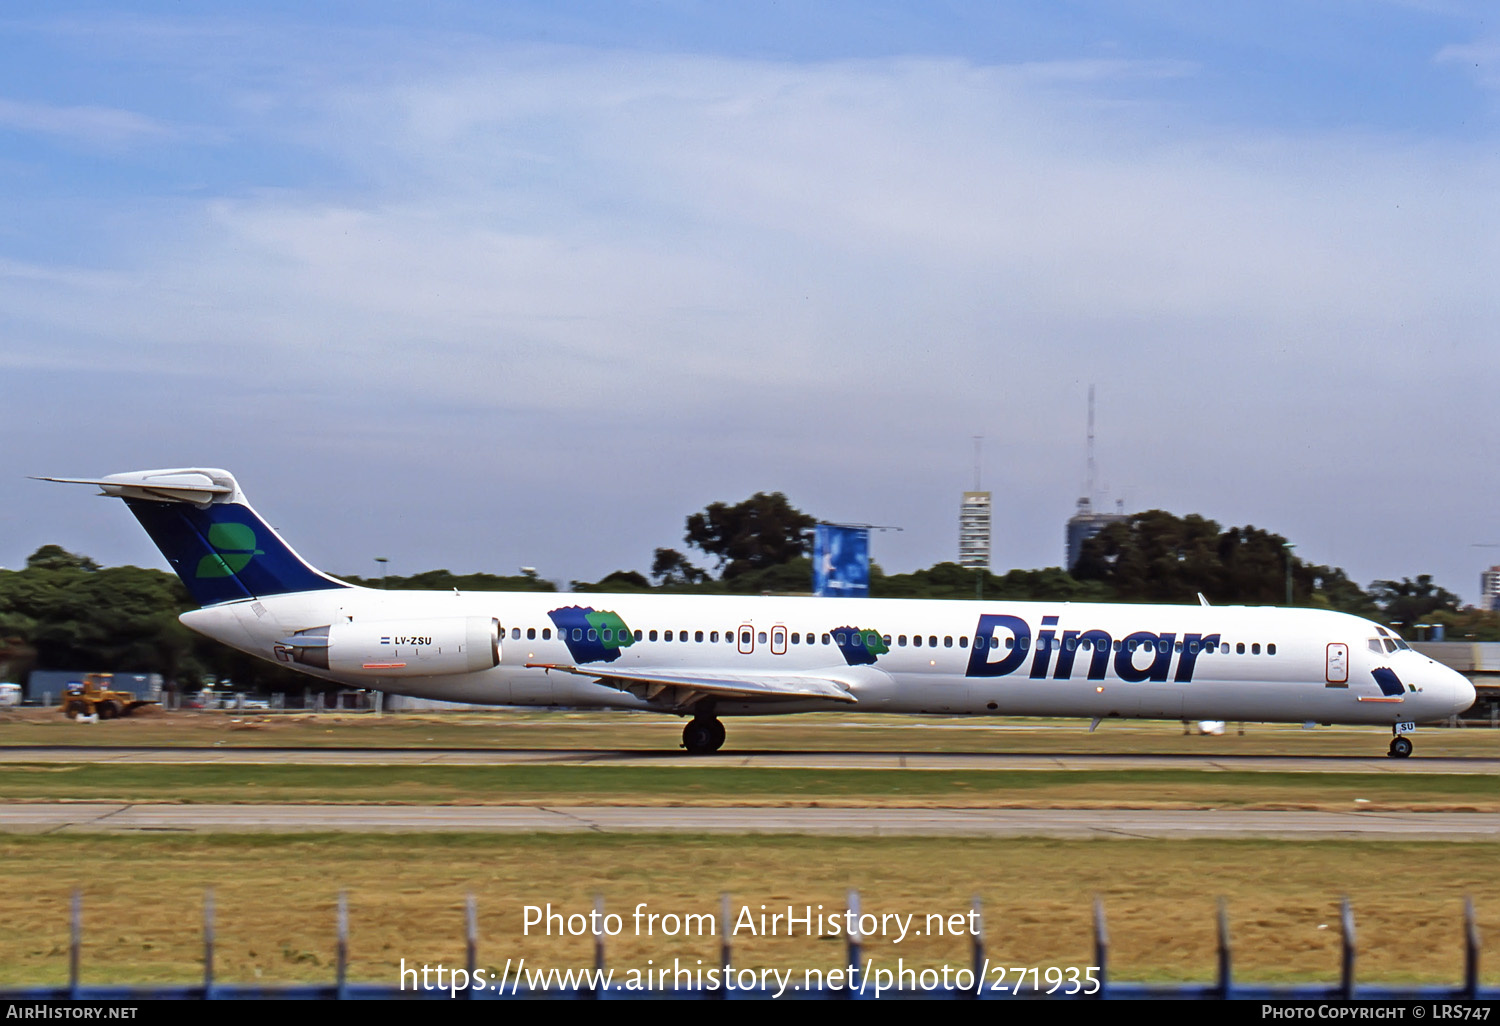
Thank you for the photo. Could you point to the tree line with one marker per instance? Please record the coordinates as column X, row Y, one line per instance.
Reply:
column 64, row 611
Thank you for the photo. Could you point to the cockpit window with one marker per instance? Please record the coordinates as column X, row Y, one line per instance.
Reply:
column 1390, row 646
column 1402, row 644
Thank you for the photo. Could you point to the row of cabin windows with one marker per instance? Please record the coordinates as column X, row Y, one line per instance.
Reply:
column 839, row 637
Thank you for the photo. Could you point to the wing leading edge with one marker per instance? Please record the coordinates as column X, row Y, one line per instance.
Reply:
column 689, row 685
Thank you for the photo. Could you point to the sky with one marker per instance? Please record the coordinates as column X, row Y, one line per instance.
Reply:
column 478, row 286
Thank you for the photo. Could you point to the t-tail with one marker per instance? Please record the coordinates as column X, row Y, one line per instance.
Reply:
column 219, row 546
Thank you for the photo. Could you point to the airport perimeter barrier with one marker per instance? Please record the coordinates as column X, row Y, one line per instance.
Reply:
column 862, row 982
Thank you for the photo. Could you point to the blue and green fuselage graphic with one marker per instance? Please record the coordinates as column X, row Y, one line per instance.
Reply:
column 858, row 645
column 592, row 636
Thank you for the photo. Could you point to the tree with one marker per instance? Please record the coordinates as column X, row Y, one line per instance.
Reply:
column 763, row 531
column 670, row 568
column 55, row 557
column 447, row 580
column 620, row 580
column 1158, row 557
column 1407, row 602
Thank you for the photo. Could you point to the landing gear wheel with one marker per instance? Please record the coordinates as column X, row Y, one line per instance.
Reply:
column 703, row 735
column 1400, row 747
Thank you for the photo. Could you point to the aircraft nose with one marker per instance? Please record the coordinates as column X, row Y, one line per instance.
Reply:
column 1463, row 691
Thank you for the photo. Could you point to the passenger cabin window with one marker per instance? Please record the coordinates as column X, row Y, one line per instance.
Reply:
column 1271, row 648
column 546, row 633
column 531, row 634
column 1239, row 649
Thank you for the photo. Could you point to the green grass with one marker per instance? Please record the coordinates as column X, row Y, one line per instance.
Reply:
column 695, row 783
column 610, row 731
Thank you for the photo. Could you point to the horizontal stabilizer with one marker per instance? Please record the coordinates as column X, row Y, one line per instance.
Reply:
column 193, row 485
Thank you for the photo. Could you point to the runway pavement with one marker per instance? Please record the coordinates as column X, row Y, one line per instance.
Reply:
column 226, row 755
column 135, row 818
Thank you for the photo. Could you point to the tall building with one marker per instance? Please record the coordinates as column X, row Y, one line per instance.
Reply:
column 1084, row 524
column 1489, row 589
column 974, row 531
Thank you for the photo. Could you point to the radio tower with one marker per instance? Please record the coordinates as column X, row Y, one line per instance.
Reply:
column 1086, row 522
column 1089, row 489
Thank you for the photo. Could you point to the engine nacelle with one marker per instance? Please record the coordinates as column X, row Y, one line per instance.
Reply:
column 399, row 648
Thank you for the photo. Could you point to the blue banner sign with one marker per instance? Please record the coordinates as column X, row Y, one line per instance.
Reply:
column 841, row 561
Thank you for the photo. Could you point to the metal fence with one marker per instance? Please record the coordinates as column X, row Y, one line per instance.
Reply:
column 978, row 982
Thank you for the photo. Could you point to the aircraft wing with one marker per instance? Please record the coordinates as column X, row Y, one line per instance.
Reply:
column 694, row 684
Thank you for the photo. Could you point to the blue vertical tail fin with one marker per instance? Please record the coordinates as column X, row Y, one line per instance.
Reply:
column 220, row 547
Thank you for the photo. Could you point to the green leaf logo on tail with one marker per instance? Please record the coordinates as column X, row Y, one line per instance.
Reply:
column 234, row 548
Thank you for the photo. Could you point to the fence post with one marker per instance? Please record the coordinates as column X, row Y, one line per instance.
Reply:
column 342, row 951
column 471, row 940
column 856, row 947
column 598, row 942
column 75, row 941
column 1226, row 963
column 1471, row 950
column 726, row 953
column 1346, row 932
column 208, row 942
column 976, row 939
column 1101, row 946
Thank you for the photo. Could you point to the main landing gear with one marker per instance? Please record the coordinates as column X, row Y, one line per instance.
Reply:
column 703, row 735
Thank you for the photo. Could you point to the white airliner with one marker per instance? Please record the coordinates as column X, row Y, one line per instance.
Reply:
column 711, row 656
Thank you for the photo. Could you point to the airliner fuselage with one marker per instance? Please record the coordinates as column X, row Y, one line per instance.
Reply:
column 711, row 656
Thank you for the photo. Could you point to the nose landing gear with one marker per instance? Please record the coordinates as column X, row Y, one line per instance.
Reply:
column 1400, row 747
column 703, row 735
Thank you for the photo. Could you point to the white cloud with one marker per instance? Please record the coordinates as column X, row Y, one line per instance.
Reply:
column 1481, row 60
column 105, row 127
column 834, row 273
